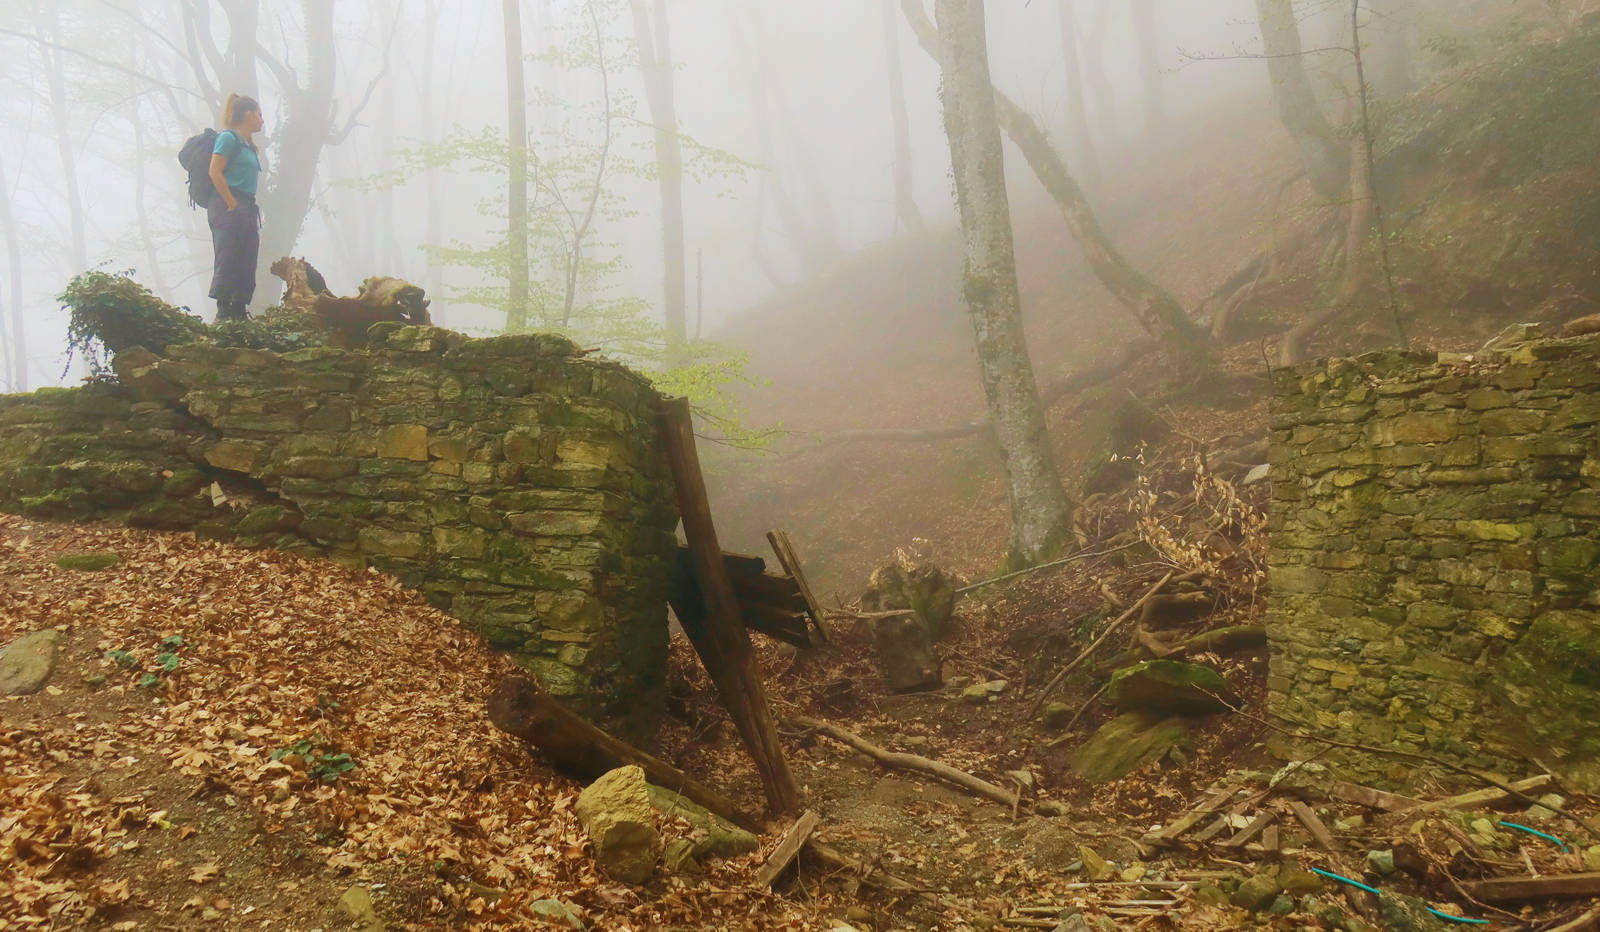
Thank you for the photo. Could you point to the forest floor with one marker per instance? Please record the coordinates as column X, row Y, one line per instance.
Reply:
column 241, row 739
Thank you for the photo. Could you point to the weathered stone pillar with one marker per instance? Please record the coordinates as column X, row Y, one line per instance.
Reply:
column 1435, row 538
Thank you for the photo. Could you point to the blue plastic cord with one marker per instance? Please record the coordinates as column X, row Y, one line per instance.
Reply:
column 1534, row 831
column 1361, row 886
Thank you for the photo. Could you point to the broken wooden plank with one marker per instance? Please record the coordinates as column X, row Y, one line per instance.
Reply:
column 1515, row 889
column 788, row 847
column 790, row 561
column 719, row 636
column 576, row 747
column 1212, row 803
column 1487, row 797
column 1313, row 824
column 1269, row 838
column 1371, row 798
column 780, row 625
column 1256, row 827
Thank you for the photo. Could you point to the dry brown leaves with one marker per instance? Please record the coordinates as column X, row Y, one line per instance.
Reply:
column 285, row 665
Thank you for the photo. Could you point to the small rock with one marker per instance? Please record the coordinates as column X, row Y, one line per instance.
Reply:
column 1211, row 895
column 356, row 905
column 1281, row 905
column 976, row 694
column 1057, row 715
column 1256, row 892
column 1257, row 474
column 1297, row 882
column 1484, row 828
column 859, row 914
column 1134, row 872
column 25, row 663
column 615, row 811
column 88, row 562
column 1305, row 779
column 1073, row 921
column 916, row 741
column 1381, row 862
column 1049, row 807
column 1541, row 812
column 1097, row 867
column 1350, row 823
column 1403, row 913
column 1591, row 859
column 557, row 911
column 996, row 687
column 1023, row 778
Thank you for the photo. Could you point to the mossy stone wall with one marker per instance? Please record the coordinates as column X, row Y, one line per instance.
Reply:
column 515, row 481
column 1435, row 532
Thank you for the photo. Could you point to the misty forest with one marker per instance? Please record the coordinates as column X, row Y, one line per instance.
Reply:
column 844, row 465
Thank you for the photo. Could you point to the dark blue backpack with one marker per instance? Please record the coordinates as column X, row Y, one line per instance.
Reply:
column 195, row 157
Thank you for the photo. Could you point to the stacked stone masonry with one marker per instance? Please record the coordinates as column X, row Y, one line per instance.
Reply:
column 1435, row 531
column 516, row 482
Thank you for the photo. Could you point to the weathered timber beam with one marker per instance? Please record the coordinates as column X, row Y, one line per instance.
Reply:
column 719, row 636
column 576, row 747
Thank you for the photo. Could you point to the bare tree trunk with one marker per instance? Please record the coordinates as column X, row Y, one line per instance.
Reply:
column 18, row 381
column 1101, row 90
column 655, row 59
column 1040, row 513
column 1155, row 100
column 1088, row 155
column 905, row 202
column 244, row 17
column 1327, row 162
column 517, row 194
column 432, row 188
column 1155, row 309
column 64, row 149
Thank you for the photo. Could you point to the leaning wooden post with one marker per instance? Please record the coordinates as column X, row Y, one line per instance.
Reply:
column 721, row 641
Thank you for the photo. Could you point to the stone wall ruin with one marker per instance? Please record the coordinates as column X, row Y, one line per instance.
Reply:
column 1435, row 532
column 518, row 483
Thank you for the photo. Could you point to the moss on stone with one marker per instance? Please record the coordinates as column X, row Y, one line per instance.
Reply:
column 92, row 562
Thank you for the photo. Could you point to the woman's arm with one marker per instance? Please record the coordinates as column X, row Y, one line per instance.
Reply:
column 218, row 163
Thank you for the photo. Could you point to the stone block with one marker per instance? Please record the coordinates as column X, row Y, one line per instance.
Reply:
column 404, row 442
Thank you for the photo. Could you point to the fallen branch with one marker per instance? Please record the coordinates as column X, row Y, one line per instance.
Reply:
column 1085, row 707
column 836, row 859
column 916, row 762
column 1089, row 651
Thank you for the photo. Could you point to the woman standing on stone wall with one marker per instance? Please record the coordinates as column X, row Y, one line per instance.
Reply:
column 233, row 215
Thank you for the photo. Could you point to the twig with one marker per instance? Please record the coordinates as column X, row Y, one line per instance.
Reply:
column 1085, row 707
column 1089, row 651
column 1411, row 755
column 1043, row 566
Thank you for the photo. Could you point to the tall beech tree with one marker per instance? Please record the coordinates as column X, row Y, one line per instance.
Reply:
column 1155, row 309
column 1040, row 511
column 655, row 60
column 1326, row 157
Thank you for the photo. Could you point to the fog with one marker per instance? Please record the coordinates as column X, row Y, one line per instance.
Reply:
column 770, row 96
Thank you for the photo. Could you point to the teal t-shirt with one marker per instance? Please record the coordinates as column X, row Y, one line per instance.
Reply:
column 244, row 165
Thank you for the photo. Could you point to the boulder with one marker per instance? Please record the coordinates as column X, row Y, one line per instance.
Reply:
column 1172, row 687
column 914, row 583
column 906, row 657
column 722, row 839
column 615, row 811
column 25, row 663
column 1257, row 892
column 1127, row 742
column 356, row 905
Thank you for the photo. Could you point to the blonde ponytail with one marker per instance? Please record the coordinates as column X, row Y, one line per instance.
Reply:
column 235, row 109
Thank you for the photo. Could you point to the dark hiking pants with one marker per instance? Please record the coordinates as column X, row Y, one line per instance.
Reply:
column 236, row 241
